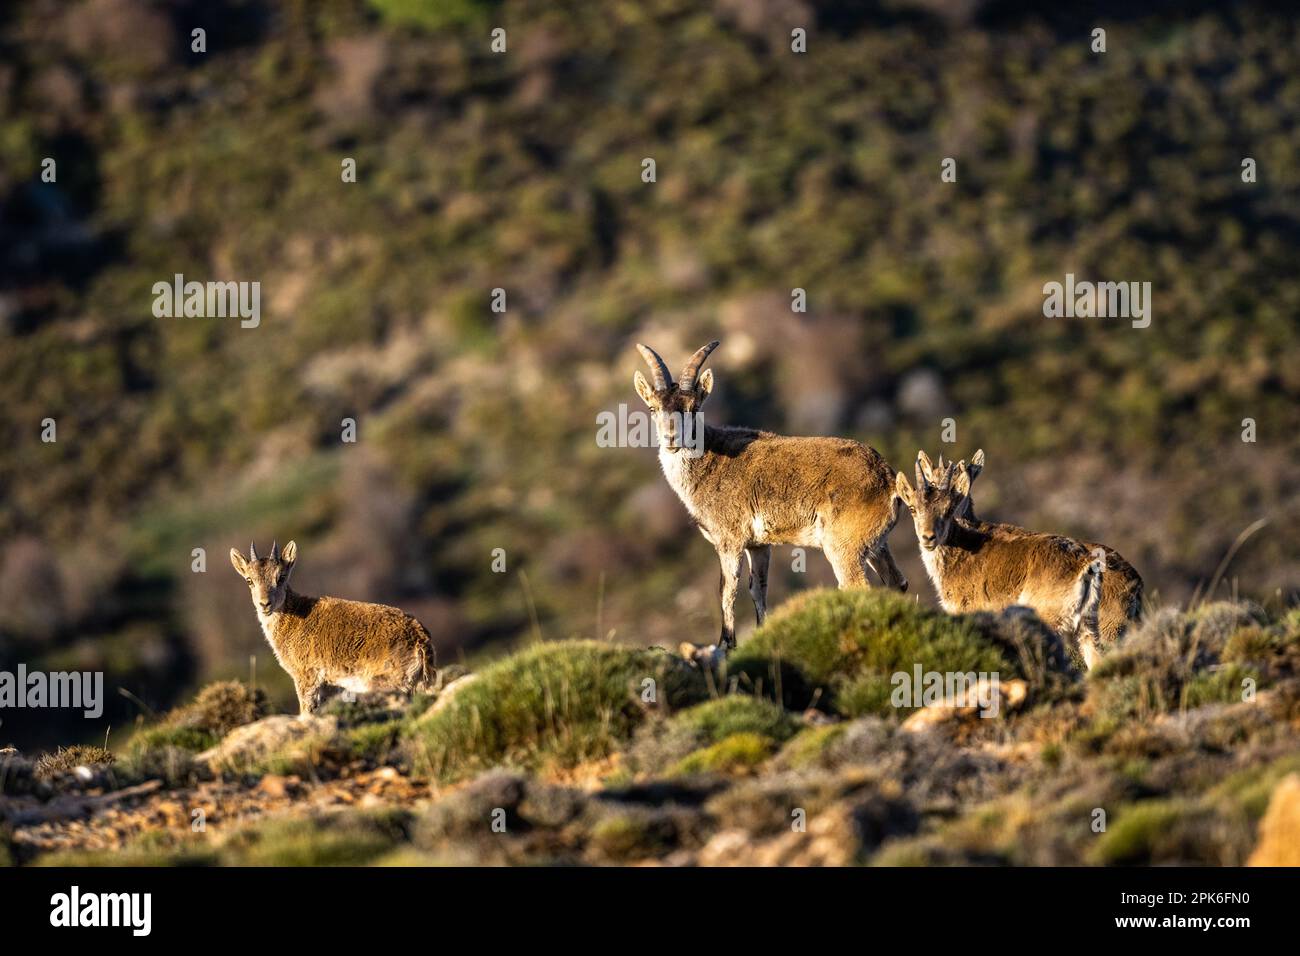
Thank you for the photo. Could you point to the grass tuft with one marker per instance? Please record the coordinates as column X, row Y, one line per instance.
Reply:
column 551, row 705
column 839, row 650
column 66, row 759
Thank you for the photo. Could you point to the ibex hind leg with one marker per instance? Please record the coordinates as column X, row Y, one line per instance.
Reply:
column 759, row 560
column 849, row 564
column 421, row 675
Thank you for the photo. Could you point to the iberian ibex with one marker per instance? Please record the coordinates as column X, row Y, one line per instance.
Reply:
column 1085, row 592
column 327, row 641
column 748, row 490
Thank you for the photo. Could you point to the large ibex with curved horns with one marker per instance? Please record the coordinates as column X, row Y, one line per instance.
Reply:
column 748, row 490
column 326, row 641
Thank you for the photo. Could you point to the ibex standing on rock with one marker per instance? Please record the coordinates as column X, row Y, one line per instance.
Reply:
column 328, row 641
column 1083, row 591
column 748, row 490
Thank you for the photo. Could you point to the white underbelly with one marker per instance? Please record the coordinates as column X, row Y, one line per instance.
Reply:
column 761, row 532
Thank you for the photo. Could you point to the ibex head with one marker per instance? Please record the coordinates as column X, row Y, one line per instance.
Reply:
column 268, row 578
column 941, row 496
column 675, row 404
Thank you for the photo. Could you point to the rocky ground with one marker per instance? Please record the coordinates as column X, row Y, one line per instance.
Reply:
column 1181, row 748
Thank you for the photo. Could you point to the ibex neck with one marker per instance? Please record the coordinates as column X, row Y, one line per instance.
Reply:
column 295, row 605
column 967, row 535
column 945, row 562
column 684, row 467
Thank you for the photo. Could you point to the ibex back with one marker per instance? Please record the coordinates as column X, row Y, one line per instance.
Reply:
column 748, row 490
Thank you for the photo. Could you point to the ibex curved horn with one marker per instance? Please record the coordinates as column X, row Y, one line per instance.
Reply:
column 947, row 471
column 923, row 471
column 252, row 551
column 275, row 551
column 658, row 367
column 692, row 369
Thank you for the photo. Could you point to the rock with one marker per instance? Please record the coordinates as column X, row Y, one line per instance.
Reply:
column 1013, row 694
column 267, row 736
column 448, row 692
column 817, row 718
column 275, row 785
column 1279, row 831
column 831, row 840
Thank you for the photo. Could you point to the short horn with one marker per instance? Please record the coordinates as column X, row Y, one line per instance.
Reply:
column 692, row 368
column 947, row 472
column 252, row 551
column 658, row 367
column 922, row 475
column 275, row 551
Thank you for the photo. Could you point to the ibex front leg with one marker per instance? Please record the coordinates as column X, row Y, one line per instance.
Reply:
column 731, row 562
column 759, row 559
column 884, row 565
column 309, row 694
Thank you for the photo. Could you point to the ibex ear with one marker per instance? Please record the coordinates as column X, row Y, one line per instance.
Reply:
column 290, row 553
column 904, row 490
column 704, row 384
column 238, row 561
column 961, row 483
column 644, row 390
column 976, row 464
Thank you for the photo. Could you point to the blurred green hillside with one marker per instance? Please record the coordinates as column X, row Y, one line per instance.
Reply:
column 522, row 171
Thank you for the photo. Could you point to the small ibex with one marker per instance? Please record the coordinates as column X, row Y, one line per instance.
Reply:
column 748, row 490
column 1083, row 591
column 324, row 641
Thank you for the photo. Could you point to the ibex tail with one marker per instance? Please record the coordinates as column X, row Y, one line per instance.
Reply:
column 1087, row 605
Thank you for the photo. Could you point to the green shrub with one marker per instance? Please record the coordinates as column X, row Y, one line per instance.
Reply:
column 374, row 742
column 1221, row 686
column 346, row 839
column 733, row 714
column 839, row 649
column 1169, row 662
column 663, row 743
column 633, row 834
column 809, row 747
column 218, row 709
column 741, row 751
column 550, row 704
column 1141, row 832
column 432, row 14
